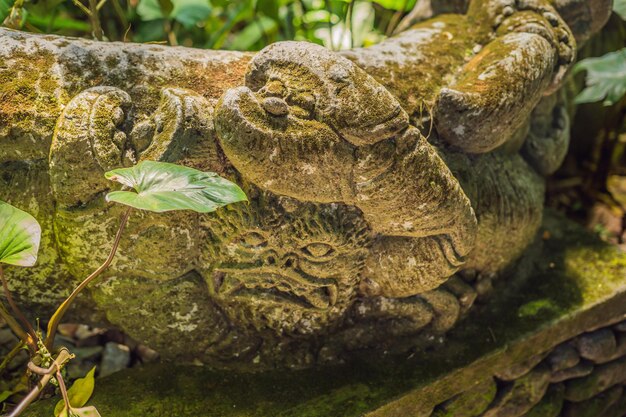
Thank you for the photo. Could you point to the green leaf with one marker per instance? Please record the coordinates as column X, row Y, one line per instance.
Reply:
column 190, row 12
column 19, row 236
column 269, row 7
column 161, row 186
column 150, row 10
column 5, row 9
column 252, row 33
column 401, row 5
column 81, row 412
column 606, row 78
column 4, row 395
column 78, row 395
column 619, row 7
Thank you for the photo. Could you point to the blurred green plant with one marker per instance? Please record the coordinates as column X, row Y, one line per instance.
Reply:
column 605, row 81
column 606, row 78
column 214, row 24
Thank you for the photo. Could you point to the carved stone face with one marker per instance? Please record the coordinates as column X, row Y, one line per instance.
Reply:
column 298, row 119
column 293, row 271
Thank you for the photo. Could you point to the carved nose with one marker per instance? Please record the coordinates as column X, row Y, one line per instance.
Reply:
column 275, row 106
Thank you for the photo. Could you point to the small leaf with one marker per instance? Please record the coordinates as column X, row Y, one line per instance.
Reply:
column 5, row 9
column 400, row 5
column 4, row 395
column 619, row 7
column 85, row 412
column 161, row 186
column 19, row 236
column 149, row 10
column 190, row 12
column 251, row 34
column 606, row 78
column 78, row 395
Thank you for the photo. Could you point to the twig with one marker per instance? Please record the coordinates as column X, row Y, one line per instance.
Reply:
column 63, row 389
column 82, row 7
column 17, row 328
column 14, row 306
column 61, row 359
column 95, row 20
column 60, row 312
column 9, row 357
column 395, row 19
column 347, row 27
column 330, row 26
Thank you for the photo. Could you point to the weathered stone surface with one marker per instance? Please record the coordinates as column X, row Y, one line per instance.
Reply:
column 597, row 346
column 580, row 370
column 563, row 357
column 518, row 397
column 470, row 403
column 602, row 378
column 595, row 406
column 551, row 404
column 115, row 358
column 356, row 217
column 522, row 368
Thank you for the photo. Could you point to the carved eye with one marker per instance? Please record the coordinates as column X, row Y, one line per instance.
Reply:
column 253, row 240
column 274, row 88
column 318, row 250
column 305, row 102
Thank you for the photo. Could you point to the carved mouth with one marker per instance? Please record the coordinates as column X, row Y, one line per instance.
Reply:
column 275, row 288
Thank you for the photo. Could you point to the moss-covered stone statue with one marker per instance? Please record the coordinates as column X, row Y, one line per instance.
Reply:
column 388, row 185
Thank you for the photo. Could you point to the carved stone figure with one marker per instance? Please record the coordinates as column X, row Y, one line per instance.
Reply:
column 389, row 185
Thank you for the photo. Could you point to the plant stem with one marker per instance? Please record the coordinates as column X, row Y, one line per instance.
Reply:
column 14, row 306
column 95, row 20
column 17, row 329
column 395, row 19
column 63, row 390
column 58, row 363
column 60, row 312
column 9, row 357
column 82, row 7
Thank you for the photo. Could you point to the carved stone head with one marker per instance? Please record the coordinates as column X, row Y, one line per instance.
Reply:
column 285, row 265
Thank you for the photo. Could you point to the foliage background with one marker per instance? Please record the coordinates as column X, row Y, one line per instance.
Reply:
column 214, row 24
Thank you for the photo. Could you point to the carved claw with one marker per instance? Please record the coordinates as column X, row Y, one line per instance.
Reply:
column 183, row 131
column 548, row 139
column 88, row 141
column 497, row 90
column 287, row 154
column 499, row 86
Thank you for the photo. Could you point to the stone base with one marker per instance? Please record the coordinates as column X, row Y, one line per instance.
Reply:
column 550, row 345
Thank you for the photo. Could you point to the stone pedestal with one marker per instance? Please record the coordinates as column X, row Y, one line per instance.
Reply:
column 554, row 344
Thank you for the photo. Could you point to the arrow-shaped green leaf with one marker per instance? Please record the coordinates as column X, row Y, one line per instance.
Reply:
column 161, row 186
column 19, row 236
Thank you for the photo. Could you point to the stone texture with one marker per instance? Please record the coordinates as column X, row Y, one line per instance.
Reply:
column 518, row 397
column 597, row 346
column 115, row 358
column 595, row 406
column 603, row 377
column 563, row 357
column 332, row 249
column 551, row 404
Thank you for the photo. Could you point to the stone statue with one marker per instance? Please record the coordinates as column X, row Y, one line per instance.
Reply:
column 388, row 185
